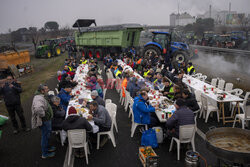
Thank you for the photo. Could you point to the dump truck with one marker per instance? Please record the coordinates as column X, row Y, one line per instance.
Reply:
column 11, row 60
column 99, row 40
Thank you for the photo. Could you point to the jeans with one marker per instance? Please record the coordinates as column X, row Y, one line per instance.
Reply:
column 13, row 110
column 46, row 131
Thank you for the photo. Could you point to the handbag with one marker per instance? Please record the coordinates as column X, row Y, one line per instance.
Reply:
column 148, row 138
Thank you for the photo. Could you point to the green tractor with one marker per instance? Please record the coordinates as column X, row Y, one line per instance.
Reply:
column 48, row 48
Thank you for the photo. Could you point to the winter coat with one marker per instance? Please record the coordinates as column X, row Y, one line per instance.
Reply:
column 11, row 96
column 39, row 107
column 191, row 103
column 74, row 121
column 58, row 117
column 101, row 117
column 99, row 100
column 182, row 116
column 141, row 110
column 65, row 98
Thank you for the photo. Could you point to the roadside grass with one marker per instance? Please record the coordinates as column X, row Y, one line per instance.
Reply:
column 41, row 75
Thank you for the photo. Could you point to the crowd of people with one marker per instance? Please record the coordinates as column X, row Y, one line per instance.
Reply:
column 163, row 78
column 49, row 111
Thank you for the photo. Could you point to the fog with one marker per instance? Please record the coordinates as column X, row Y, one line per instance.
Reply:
column 223, row 64
column 25, row 13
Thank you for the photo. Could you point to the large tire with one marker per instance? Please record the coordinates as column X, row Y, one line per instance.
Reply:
column 84, row 52
column 90, row 53
column 178, row 57
column 99, row 54
column 57, row 51
column 154, row 49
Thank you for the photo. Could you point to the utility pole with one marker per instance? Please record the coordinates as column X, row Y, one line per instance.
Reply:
column 210, row 11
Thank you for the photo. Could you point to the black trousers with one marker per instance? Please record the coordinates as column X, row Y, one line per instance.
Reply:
column 13, row 110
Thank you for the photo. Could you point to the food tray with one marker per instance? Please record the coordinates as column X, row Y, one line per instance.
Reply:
column 148, row 158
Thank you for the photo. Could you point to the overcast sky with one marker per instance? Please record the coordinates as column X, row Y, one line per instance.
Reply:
column 15, row 14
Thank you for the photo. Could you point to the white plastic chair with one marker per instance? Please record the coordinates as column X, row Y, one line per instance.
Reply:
column 186, row 135
column 242, row 105
column 112, row 109
column 104, row 93
column 221, row 84
column 108, row 101
column 134, row 125
column 77, row 139
column 109, row 133
column 131, row 107
column 237, row 92
column 229, row 87
column 62, row 134
column 208, row 108
column 243, row 117
column 197, row 75
column 203, row 78
column 127, row 100
column 198, row 98
column 214, row 82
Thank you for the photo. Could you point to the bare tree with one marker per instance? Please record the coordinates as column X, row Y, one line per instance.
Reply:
column 34, row 36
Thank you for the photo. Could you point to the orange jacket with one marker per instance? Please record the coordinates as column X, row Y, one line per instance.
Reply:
column 124, row 86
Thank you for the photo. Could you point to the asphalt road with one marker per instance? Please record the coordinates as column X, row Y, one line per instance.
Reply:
column 23, row 149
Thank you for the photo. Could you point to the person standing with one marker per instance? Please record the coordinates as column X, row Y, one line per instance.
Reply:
column 42, row 115
column 11, row 93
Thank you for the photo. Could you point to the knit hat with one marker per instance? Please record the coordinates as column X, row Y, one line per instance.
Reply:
column 72, row 110
column 180, row 102
column 94, row 93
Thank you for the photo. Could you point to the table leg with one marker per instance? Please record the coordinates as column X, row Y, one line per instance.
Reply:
column 223, row 113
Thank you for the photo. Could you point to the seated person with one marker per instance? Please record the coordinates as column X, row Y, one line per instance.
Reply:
column 190, row 100
column 177, row 92
column 133, row 87
column 142, row 110
column 158, row 81
column 75, row 121
column 100, row 116
column 66, row 80
column 168, row 90
column 182, row 116
column 65, row 95
column 118, row 73
column 97, row 98
column 94, row 85
column 58, row 113
column 190, row 69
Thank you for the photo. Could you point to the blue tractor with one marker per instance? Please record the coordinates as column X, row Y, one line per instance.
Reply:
column 161, row 43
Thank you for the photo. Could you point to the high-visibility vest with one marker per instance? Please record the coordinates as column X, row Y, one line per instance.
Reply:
column 118, row 72
column 70, row 68
column 146, row 73
column 190, row 68
column 155, row 80
column 84, row 62
column 171, row 90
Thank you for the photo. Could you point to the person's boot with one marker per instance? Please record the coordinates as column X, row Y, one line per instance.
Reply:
column 104, row 141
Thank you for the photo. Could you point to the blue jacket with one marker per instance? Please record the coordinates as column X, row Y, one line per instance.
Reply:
column 65, row 97
column 142, row 110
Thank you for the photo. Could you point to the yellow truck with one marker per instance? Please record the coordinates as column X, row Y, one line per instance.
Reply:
column 11, row 60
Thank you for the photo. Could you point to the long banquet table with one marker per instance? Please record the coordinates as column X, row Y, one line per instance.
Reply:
column 213, row 93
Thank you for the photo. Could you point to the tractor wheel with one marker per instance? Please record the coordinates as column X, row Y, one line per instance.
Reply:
column 57, row 51
column 98, row 54
column 148, row 49
column 179, row 57
column 48, row 54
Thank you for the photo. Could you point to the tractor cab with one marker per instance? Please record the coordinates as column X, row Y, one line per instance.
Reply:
column 161, row 38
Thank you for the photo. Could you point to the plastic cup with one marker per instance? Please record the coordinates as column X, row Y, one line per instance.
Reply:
column 212, row 89
column 224, row 95
column 162, row 115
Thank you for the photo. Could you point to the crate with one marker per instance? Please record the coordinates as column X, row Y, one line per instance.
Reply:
column 148, row 160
